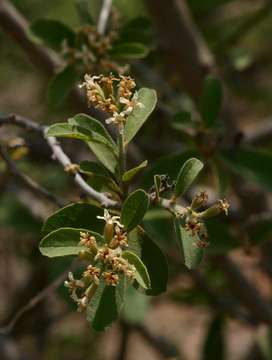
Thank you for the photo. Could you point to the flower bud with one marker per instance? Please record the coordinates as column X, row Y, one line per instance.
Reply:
column 222, row 206
column 199, row 200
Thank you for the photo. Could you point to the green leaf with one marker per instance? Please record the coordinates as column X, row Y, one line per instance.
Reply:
column 135, row 306
column 142, row 276
column 64, row 241
column 129, row 175
column 79, row 215
column 98, row 175
column 134, row 209
column 107, row 151
column 53, row 32
column 253, row 165
column 128, row 51
column 106, row 304
column 169, row 165
column 153, row 258
column 139, row 115
column 211, row 100
column 61, row 85
column 92, row 167
column 187, row 175
column 66, row 130
column 214, row 345
column 191, row 254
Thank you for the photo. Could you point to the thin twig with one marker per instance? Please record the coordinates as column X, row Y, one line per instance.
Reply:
column 63, row 159
column 104, row 16
column 28, row 181
column 6, row 330
column 59, row 155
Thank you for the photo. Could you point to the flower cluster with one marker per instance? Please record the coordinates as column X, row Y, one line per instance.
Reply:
column 114, row 95
column 107, row 262
column 94, row 51
column 194, row 220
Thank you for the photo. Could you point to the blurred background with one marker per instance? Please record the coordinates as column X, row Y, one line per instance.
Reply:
column 222, row 310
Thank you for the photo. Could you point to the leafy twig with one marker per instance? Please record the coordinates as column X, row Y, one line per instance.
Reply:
column 60, row 156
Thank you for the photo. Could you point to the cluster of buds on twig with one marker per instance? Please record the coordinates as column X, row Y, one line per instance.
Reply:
column 115, row 95
column 194, row 220
column 94, row 52
column 107, row 262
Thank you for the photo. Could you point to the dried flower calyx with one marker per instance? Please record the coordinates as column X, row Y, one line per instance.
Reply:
column 116, row 95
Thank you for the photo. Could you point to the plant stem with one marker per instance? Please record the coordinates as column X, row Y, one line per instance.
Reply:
column 122, row 160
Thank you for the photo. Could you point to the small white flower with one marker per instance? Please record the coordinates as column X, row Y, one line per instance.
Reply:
column 110, row 219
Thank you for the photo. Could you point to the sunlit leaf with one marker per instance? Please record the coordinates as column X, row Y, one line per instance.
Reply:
column 142, row 276
column 64, row 241
column 148, row 99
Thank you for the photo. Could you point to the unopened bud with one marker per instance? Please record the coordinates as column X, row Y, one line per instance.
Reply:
column 108, row 231
column 221, row 207
column 85, row 255
column 199, row 200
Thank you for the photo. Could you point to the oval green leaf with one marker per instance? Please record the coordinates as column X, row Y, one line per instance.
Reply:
column 142, row 276
column 187, row 175
column 134, row 209
column 64, row 242
column 129, row 175
column 79, row 215
column 139, row 115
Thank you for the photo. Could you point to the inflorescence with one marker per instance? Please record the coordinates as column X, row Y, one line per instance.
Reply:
column 107, row 263
column 115, row 95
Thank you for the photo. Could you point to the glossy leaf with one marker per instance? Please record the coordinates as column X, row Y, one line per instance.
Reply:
column 129, row 175
column 191, row 254
column 142, row 276
column 211, row 100
column 187, row 175
column 148, row 98
column 53, row 32
column 61, row 85
column 79, row 215
column 64, row 241
column 134, row 209
column 128, row 51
